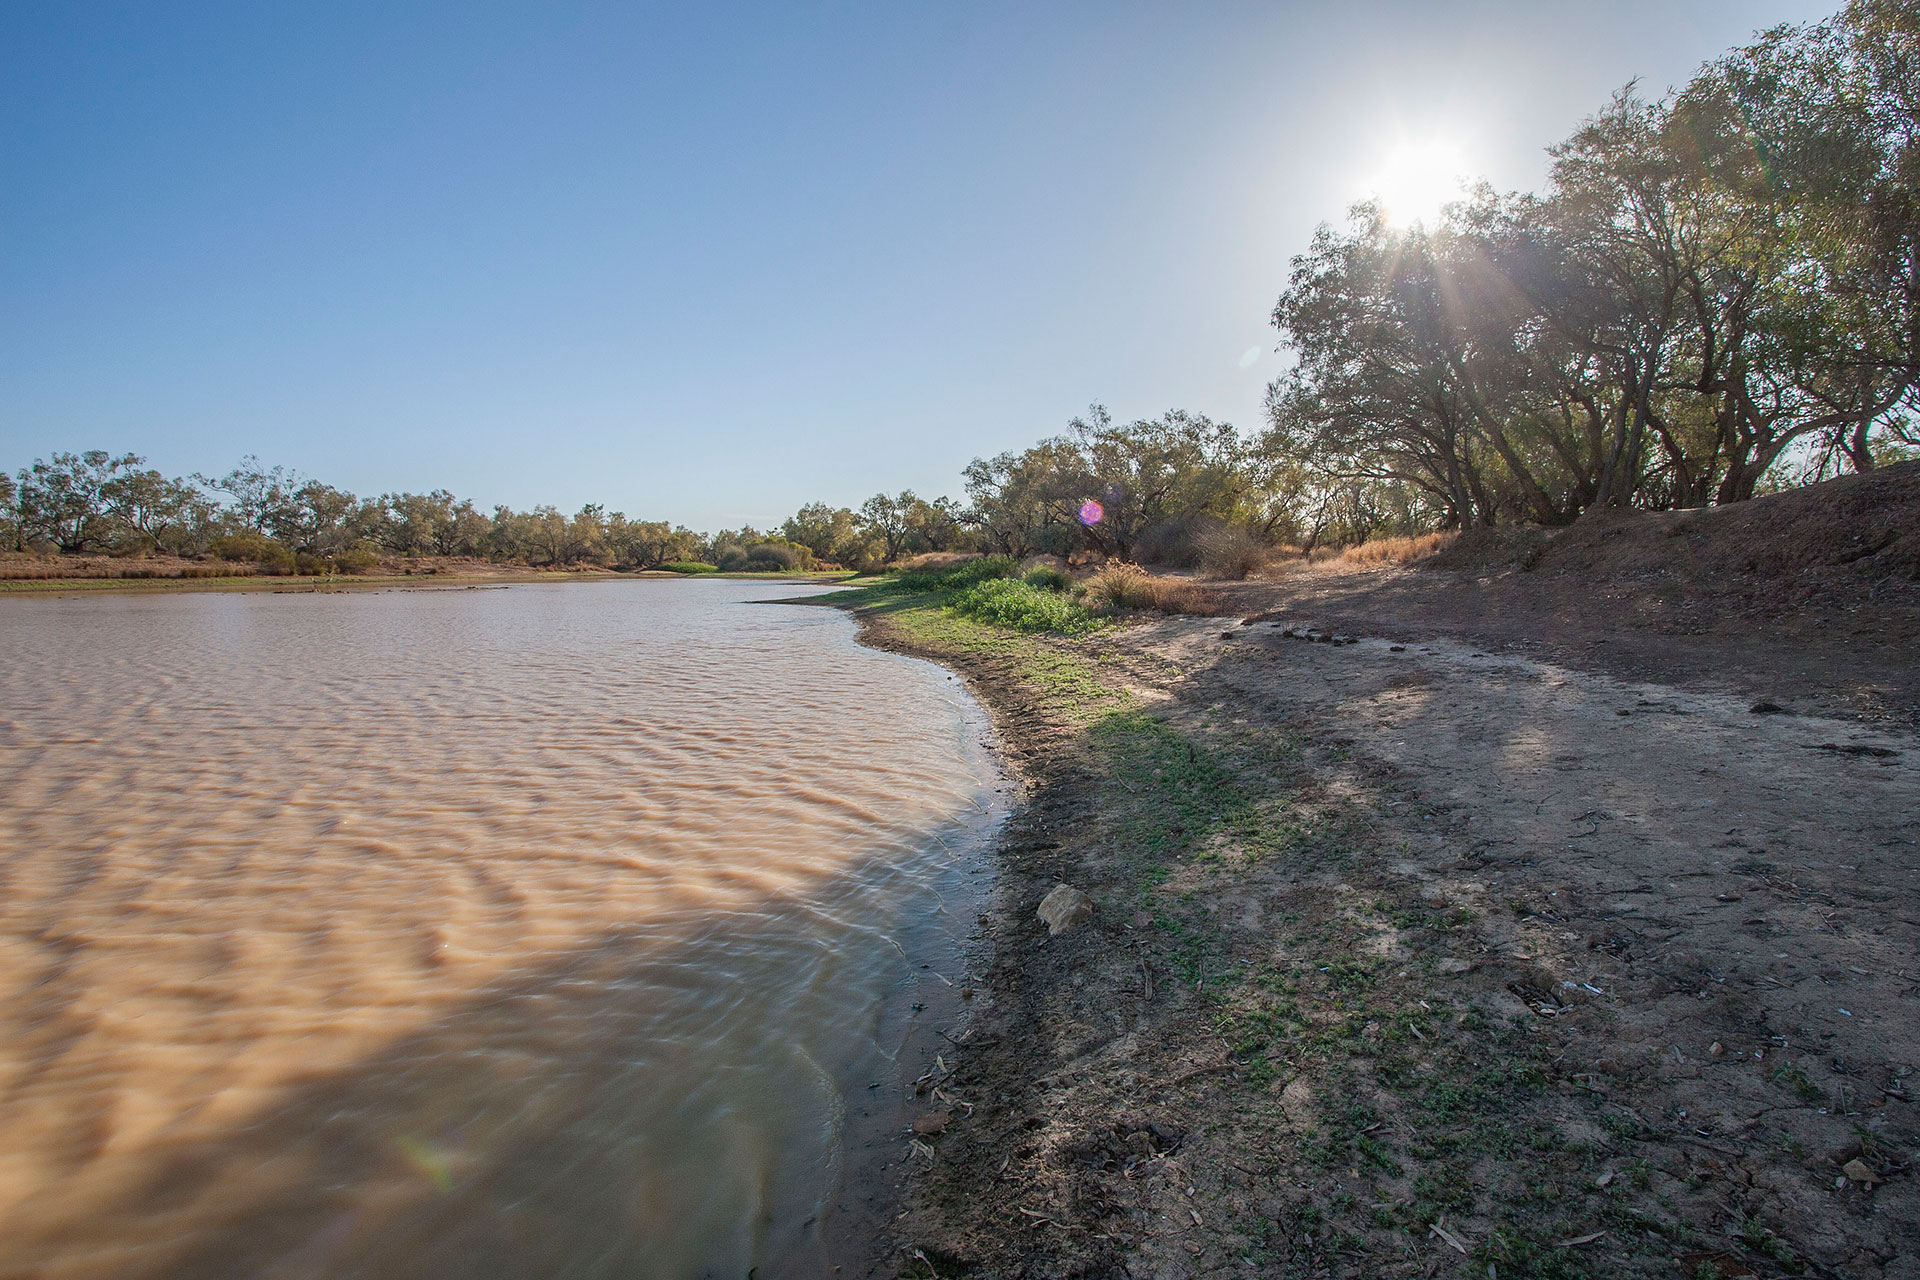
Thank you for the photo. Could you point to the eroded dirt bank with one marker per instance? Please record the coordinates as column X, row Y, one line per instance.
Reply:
column 1420, row 958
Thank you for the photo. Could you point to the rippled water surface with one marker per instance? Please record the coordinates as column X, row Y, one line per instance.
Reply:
column 533, row 931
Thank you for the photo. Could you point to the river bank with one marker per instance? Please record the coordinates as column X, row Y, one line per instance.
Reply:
column 1412, row 956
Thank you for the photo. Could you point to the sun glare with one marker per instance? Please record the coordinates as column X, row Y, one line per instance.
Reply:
column 1418, row 180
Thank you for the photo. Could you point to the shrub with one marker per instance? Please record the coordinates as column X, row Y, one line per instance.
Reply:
column 777, row 556
column 1007, row 602
column 1176, row 544
column 690, row 566
column 356, row 560
column 1231, row 551
column 1047, row 578
column 1122, row 587
column 959, row 577
column 256, row 548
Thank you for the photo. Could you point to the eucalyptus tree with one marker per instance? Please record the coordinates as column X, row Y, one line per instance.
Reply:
column 1151, row 472
column 10, row 535
column 63, row 500
column 884, row 517
column 831, row 533
column 149, row 511
column 316, row 519
column 1102, row 485
column 1372, row 395
column 646, row 544
column 1833, row 110
column 259, row 498
column 939, row 525
column 1027, row 502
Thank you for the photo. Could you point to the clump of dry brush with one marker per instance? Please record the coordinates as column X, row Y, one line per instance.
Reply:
column 1119, row 588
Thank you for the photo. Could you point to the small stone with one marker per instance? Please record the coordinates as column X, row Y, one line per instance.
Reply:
column 966, row 993
column 932, row 1122
column 1063, row 908
column 1396, row 648
column 1768, row 709
column 1142, row 919
column 1715, row 1049
column 1453, row 964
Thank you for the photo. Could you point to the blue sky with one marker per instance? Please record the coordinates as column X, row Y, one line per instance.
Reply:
column 708, row 262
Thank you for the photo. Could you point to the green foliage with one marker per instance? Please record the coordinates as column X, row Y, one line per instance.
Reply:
column 1142, row 475
column 690, row 566
column 1048, row 578
column 1716, row 292
column 253, row 547
column 647, row 544
column 956, row 577
column 1008, row 602
column 772, row 555
column 892, row 526
column 831, row 533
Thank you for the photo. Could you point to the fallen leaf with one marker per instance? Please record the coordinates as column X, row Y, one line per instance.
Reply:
column 1603, row 1179
column 1860, row 1171
column 932, row 1122
column 1587, row 1239
column 1448, row 1236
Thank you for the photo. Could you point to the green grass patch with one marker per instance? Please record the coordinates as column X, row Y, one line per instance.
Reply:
column 983, row 590
column 956, row 579
column 1181, row 796
column 1008, row 602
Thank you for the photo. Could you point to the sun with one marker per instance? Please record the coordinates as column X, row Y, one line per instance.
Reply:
column 1417, row 180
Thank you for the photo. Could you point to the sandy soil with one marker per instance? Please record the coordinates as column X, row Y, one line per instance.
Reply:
column 1542, row 939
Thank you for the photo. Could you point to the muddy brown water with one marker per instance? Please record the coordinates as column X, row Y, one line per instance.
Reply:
column 527, row 931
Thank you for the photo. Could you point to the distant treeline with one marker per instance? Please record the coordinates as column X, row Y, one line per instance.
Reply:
column 284, row 522
column 1718, row 293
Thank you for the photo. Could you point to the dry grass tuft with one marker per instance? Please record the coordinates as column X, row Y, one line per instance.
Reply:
column 1381, row 551
column 1123, row 587
column 935, row 561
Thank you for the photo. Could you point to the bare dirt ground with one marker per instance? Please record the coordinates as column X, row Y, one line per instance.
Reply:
column 1814, row 592
column 1556, row 926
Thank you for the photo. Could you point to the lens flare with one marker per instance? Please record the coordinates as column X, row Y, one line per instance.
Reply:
column 1091, row 511
column 430, row 1160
